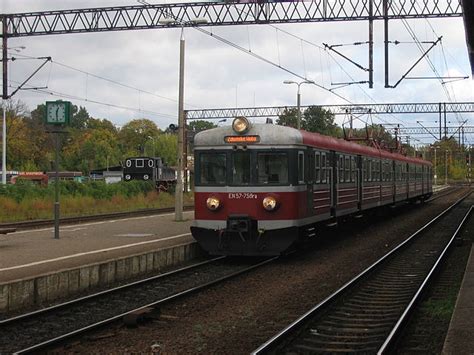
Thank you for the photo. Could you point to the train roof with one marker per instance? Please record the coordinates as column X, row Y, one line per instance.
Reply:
column 270, row 134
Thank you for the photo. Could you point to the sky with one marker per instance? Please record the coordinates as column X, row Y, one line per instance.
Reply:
column 127, row 75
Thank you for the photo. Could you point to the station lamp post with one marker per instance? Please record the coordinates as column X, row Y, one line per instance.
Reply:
column 298, row 99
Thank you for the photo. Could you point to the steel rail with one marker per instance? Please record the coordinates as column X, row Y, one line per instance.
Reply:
column 404, row 317
column 175, row 296
column 101, row 293
column 268, row 345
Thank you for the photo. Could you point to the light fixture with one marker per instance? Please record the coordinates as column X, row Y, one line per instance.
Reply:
column 240, row 125
column 269, row 203
column 213, row 203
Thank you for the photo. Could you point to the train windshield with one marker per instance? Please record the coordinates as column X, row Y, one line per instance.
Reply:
column 272, row 168
column 241, row 168
column 213, row 168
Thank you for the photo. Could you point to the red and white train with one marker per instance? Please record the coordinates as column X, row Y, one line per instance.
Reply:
column 261, row 188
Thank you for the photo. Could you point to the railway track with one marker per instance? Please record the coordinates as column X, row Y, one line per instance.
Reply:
column 368, row 313
column 99, row 217
column 37, row 330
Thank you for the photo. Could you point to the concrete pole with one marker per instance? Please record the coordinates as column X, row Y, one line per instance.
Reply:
column 4, row 98
column 4, row 142
column 435, row 172
column 56, row 188
column 446, row 167
column 298, row 104
column 178, row 209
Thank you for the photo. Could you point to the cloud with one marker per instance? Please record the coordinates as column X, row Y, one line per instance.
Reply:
column 217, row 75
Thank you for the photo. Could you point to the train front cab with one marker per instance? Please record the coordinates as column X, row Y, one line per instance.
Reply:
column 248, row 201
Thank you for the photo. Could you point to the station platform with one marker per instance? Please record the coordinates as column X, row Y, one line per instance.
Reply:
column 36, row 268
column 460, row 337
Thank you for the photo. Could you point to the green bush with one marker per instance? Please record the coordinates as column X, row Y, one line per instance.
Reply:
column 97, row 189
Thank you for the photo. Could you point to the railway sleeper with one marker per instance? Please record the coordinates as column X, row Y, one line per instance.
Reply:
column 363, row 295
column 356, row 323
column 383, row 311
column 364, row 301
column 374, row 306
column 392, row 290
column 358, row 319
column 361, row 343
column 352, row 330
column 334, row 350
column 384, row 293
column 360, row 314
column 350, row 337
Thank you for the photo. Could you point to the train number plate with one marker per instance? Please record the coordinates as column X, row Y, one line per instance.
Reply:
column 242, row 195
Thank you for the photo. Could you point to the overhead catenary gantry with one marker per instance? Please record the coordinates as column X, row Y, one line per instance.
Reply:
column 120, row 18
column 152, row 16
column 441, row 108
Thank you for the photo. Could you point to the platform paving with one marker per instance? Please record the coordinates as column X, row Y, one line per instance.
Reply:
column 460, row 337
column 36, row 269
column 34, row 252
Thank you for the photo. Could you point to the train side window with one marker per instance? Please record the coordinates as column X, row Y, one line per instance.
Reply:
column 365, row 165
column 341, row 168
column 324, row 168
column 213, row 168
column 374, row 170
column 317, row 167
column 369, row 170
column 273, row 168
column 301, row 167
column 139, row 163
column 353, row 169
column 347, row 168
column 377, row 170
column 128, row 163
column 311, row 167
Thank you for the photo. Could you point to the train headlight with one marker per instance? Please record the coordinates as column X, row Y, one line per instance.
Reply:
column 240, row 125
column 269, row 203
column 213, row 203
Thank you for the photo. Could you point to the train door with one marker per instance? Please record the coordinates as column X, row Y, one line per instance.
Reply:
column 359, row 180
column 333, row 179
column 310, row 181
column 423, row 170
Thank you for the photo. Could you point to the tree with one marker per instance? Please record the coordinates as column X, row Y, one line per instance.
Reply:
column 80, row 117
column 314, row 119
column 317, row 119
column 375, row 132
column 200, row 125
column 97, row 123
column 288, row 118
column 134, row 135
column 92, row 149
column 22, row 143
column 166, row 147
column 40, row 139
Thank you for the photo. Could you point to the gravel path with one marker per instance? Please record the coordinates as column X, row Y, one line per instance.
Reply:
column 238, row 316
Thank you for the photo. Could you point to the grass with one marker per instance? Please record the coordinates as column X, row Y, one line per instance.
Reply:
column 32, row 202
